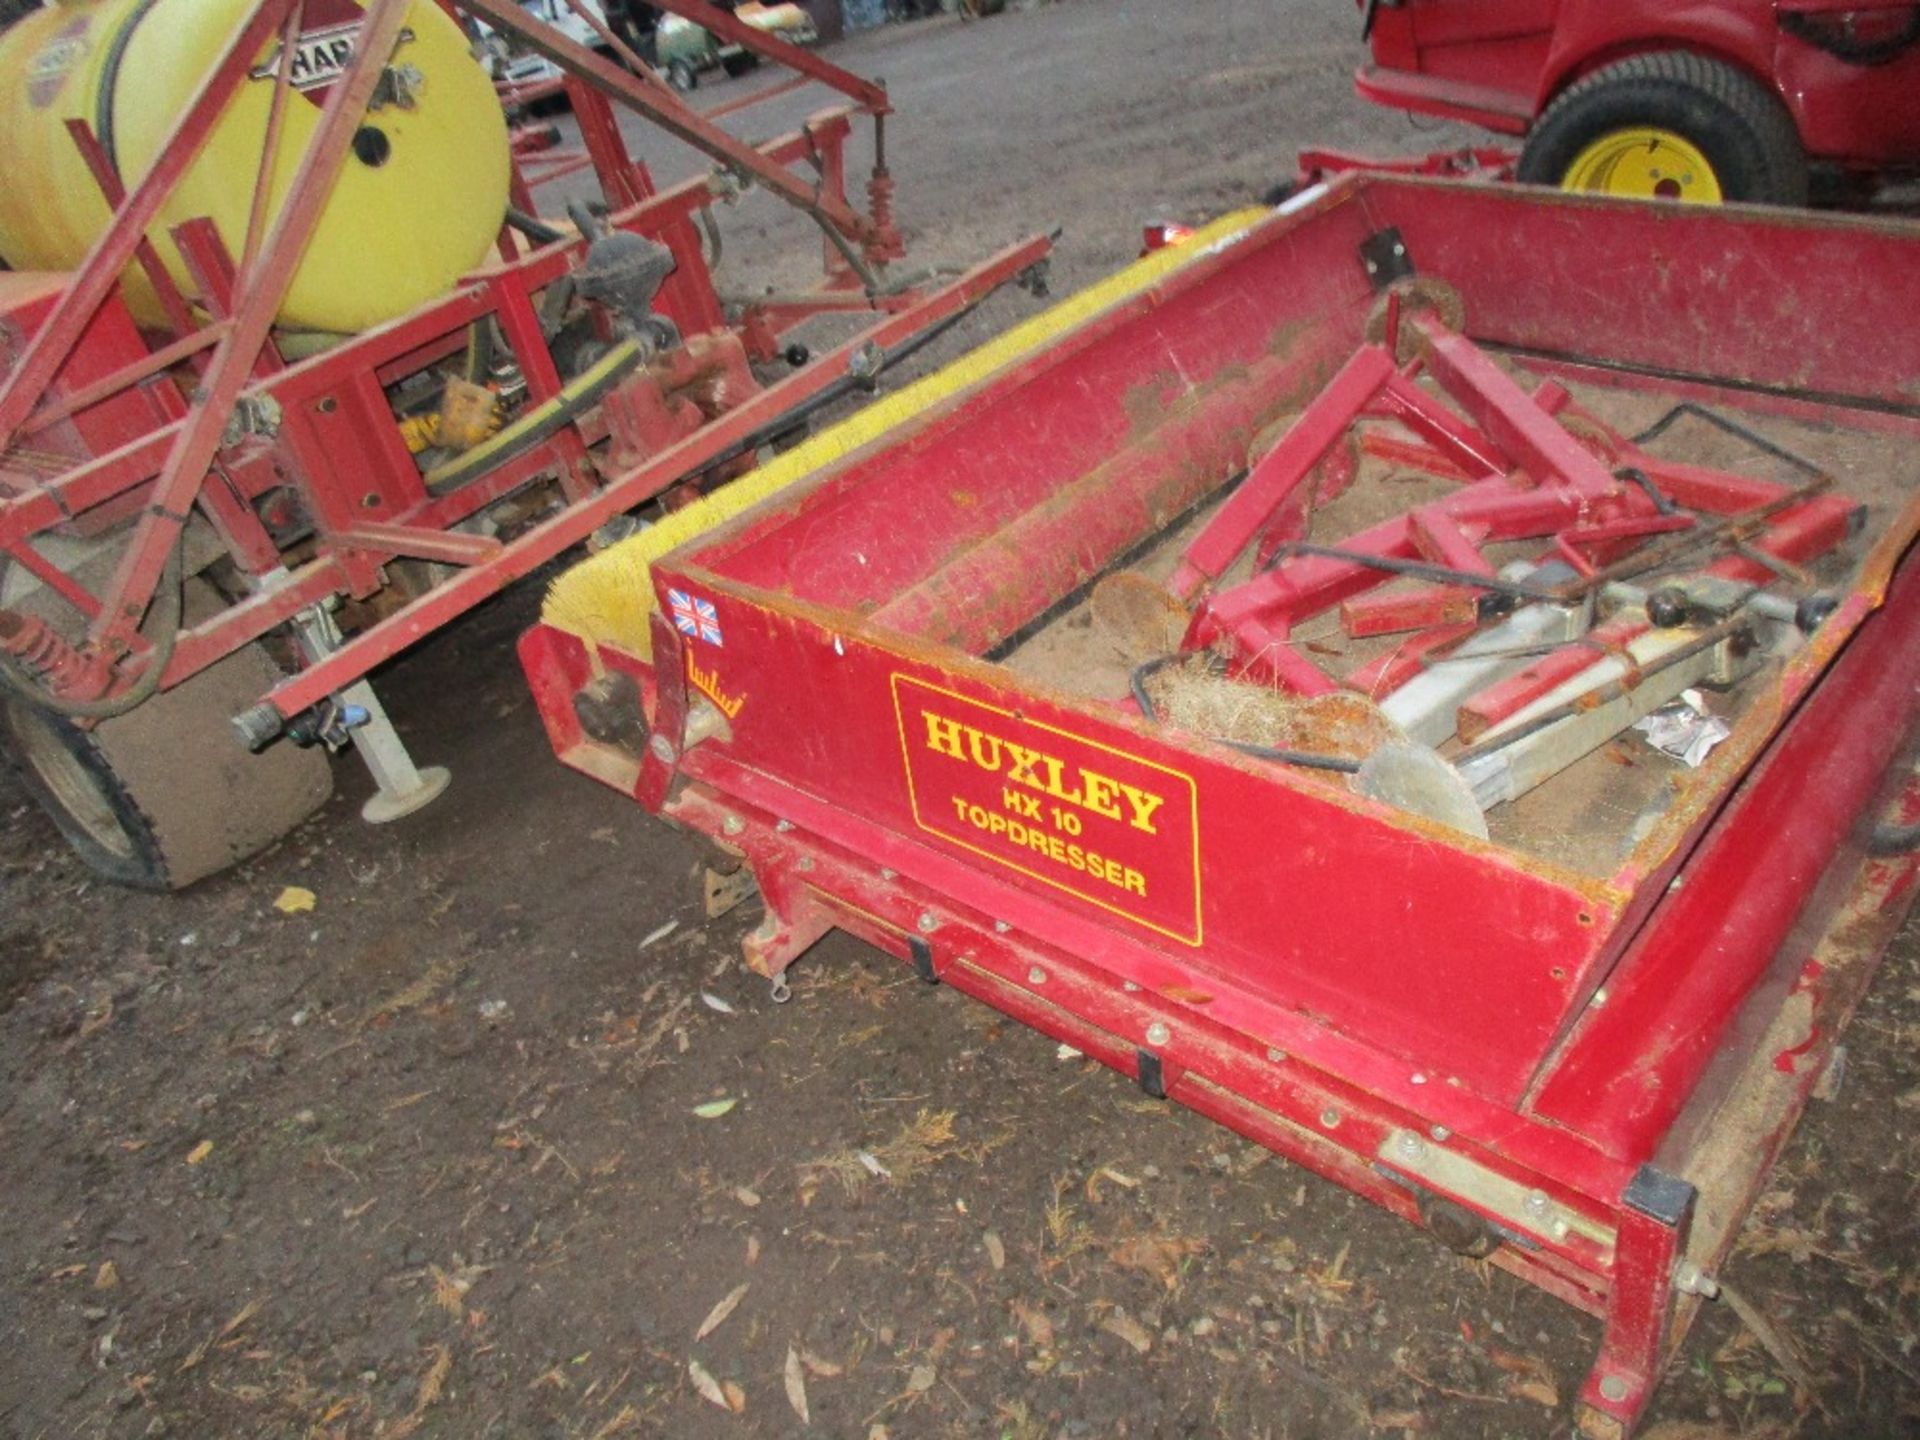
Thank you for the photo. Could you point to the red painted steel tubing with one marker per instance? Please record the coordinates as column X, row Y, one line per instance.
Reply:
column 667, row 111
column 1632, row 1064
column 622, row 493
column 1279, row 472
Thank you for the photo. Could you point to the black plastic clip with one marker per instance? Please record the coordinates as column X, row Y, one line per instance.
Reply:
column 1153, row 1079
column 1659, row 1196
column 922, row 954
column 1385, row 255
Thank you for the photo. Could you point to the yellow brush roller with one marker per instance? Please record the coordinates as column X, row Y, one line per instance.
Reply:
column 607, row 599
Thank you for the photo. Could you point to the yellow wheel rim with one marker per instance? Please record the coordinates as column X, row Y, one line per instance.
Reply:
column 1645, row 163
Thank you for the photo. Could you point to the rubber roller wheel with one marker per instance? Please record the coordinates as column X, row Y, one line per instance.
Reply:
column 166, row 795
column 1669, row 125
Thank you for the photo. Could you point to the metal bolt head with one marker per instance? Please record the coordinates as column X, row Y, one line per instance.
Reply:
column 1690, row 1279
column 733, row 825
column 1330, row 1117
column 1036, row 976
column 1410, row 1146
column 1536, row 1202
column 662, row 748
column 926, row 924
column 1158, row 1033
column 783, row 826
column 1000, row 927
column 1441, row 1132
column 866, row 362
column 1613, row 1388
column 1275, row 1055
column 886, row 874
column 806, row 863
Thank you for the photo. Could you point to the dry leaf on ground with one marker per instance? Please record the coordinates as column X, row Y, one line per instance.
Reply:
column 1039, row 1329
column 996, row 1251
column 1156, row 1255
column 708, row 1387
column 796, row 1381
column 1128, row 1329
column 1528, row 1377
column 717, row 1316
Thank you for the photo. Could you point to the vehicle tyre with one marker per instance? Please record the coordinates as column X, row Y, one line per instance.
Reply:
column 738, row 65
column 1672, row 125
column 166, row 795
column 683, row 77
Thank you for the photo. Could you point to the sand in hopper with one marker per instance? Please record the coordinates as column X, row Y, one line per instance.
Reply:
column 1138, row 616
column 1341, row 725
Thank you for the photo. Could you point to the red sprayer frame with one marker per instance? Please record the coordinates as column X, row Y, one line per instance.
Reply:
column 102, row 443
column 1588, row 1073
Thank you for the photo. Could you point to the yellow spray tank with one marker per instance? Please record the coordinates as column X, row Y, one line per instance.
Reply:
column 418, row 201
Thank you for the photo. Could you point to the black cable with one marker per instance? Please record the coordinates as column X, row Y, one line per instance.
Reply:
column 1661, row 501
column 1730, row 427
column 788, row 420
column 1417, row 569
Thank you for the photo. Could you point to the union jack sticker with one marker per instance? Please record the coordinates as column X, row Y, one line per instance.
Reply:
column 695, row 617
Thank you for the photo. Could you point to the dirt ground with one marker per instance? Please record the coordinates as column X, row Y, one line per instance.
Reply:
column 440, row 1157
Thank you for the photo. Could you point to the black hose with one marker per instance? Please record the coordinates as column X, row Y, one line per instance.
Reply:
column 534, row 228
column 1887, row 841
column 479, row 361
column 540, row 423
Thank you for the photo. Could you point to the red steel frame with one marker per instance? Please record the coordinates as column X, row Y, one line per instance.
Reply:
column 1440, row 1024
column 95, row 439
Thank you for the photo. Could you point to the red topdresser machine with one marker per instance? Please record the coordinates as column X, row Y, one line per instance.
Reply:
column 1234, row 674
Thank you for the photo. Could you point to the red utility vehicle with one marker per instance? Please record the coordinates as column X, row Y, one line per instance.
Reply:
column 1704, row 100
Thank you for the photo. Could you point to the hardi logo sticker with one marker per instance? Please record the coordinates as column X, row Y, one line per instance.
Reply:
column 1110, row 827
column 320, row 57
column 322, row 52
column 47, row 72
